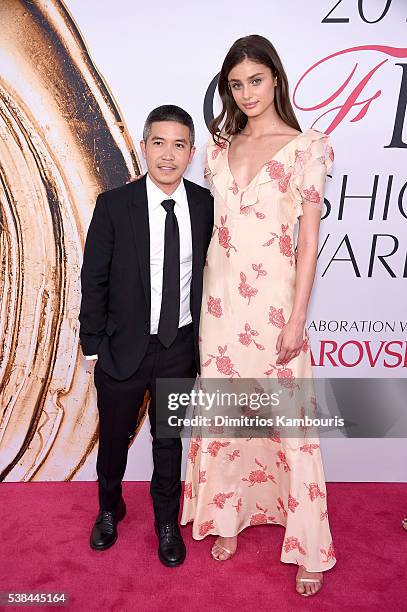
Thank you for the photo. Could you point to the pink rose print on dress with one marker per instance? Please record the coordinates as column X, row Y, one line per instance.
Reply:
column 293, row 543
column 259, row 269
column 259, row 476
column 220, row 499
column 238, row 505
column 258, row 519
column 202, row 476
column 234, row 455
column 281, row 507
column 302, row 416
column 274, row 436
column 301, row 157
column 276, row 172
column 285, row 377
column 261, row 518
column 224, row 364
column 329, row 554
column 276, row 317
column 275, row 169
column 283, row 183
column 205, row 527
column 218, row 148
column 309, row 448
column 246, row 337
column 224, row 236
column 270, row 242
column 323, row 515
column 286, row 247
column 312, row 195
column 283, row 461
column 284, row 242
column 188, row 490
column 246, row 290
column 193, row 449
column 331, row 154
column 235, row 188
column 292, row 503
column 215, row 446
column 215, row 307
column 247, row 210
column 314, row 491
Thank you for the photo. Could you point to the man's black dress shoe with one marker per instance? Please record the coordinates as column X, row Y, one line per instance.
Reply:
column 171, row 547
column 104, row 532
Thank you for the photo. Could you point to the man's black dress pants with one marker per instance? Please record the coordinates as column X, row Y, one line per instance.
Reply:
column 119, row 403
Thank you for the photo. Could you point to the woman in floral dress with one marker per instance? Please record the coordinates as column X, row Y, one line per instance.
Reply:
column 265, row 175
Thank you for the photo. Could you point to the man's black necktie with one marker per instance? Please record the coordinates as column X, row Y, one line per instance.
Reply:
column 170, row 301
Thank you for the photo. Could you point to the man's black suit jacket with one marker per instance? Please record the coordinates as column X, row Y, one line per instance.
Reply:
column 115, row 307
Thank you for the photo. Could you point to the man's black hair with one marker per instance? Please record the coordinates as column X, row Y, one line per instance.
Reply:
column 169, row 112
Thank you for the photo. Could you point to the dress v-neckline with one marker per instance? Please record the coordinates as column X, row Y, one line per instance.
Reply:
column 262, row 166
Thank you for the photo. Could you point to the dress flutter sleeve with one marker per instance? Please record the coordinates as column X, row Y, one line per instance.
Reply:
column 213, row 163
column 208, row 170
column 311, row 167
column 208, row 177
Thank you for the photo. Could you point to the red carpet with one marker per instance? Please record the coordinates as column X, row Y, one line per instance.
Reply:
column 44, row 548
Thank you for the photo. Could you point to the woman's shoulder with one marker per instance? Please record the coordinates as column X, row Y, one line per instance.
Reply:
column 315, row 145
column 312, row 135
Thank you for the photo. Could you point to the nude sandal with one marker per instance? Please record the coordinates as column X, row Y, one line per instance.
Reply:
column 299, row 580
column 224, row 549
column 314, row 580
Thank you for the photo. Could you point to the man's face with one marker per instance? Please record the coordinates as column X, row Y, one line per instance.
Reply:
column 167, row 152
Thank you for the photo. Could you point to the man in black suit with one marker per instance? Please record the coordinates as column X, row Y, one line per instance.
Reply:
column 141, row 298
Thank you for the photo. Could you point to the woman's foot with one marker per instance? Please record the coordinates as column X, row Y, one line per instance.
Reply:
column 308, row 583
column 404, row 523
column 224, row 548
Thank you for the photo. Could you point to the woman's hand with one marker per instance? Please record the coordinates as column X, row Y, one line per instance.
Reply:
column 290, row 341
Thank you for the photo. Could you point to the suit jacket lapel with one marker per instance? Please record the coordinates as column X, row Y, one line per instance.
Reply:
column 138, row 208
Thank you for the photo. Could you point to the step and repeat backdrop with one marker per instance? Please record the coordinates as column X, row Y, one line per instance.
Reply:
column 77, row 80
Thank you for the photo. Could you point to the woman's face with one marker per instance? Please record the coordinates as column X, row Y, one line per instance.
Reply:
column 252, row 86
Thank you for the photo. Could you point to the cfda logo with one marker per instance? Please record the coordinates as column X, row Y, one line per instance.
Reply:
column 348, row 98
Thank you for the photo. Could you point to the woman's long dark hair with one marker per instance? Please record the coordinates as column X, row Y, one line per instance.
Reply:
column 258, row 49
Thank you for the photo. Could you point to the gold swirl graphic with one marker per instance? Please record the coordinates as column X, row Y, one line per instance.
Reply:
column 62, row 141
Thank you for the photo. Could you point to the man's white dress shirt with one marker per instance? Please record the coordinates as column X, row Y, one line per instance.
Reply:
column 157, row 216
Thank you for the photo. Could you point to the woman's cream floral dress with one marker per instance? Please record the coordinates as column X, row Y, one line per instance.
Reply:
column 248, row 293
